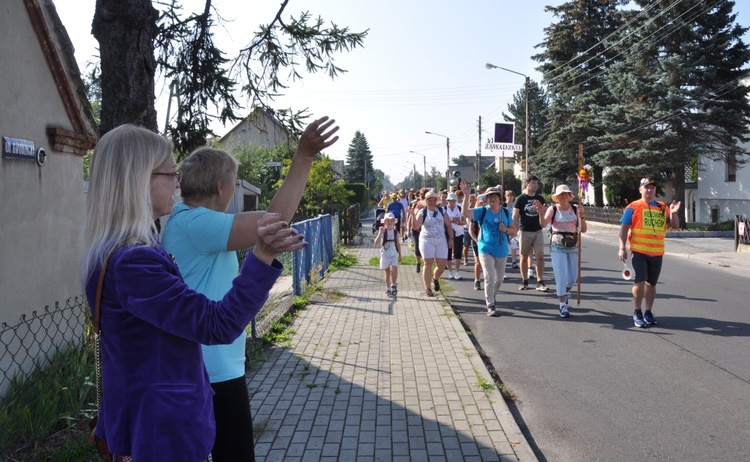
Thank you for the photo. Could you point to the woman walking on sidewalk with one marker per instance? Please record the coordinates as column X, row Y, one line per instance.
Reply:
column 564, row 218
column 496, row 227
column 435, row 240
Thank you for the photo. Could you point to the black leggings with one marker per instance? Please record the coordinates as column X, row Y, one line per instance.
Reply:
column 234, row 424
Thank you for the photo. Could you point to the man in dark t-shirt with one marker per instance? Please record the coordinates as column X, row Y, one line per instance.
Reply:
column 527, row 209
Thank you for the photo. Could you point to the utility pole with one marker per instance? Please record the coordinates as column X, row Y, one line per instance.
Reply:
column 478, row 163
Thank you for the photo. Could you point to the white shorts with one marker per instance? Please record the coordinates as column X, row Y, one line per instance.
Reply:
column 434, row 249
column 386, row 261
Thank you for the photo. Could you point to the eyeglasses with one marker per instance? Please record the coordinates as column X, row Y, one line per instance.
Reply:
column 176, row 175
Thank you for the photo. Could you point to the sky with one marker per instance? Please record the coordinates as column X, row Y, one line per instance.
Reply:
column 421, row 68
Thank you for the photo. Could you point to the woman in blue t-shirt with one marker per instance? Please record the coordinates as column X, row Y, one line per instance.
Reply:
column 204, row 240
column 496, row 228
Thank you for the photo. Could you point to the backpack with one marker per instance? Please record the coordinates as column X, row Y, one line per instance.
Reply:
column 385, row 235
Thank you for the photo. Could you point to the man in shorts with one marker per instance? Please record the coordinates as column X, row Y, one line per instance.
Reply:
column 527, row 209
column 644, row 226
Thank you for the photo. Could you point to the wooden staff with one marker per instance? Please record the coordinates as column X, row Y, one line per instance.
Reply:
column 580, row 204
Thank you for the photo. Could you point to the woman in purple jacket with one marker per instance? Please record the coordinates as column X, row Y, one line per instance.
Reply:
column 157, row 400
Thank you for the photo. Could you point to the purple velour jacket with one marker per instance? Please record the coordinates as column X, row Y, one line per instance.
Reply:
column 157, row 400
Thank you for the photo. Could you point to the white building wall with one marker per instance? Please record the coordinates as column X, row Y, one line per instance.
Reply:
column 730, row 197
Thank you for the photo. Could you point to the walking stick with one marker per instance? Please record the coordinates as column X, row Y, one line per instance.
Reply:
column 583, row 184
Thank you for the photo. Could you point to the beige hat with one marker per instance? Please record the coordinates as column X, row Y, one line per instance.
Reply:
column 428, row 195
column 493, row 190
column 389, row 216
column 452, row 197
column 562, row 189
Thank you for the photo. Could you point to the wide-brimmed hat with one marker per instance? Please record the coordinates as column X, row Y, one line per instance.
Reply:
column 561, row 189
column 452, row 197
column 430, row 194
column 493, row 190
column 648, row 181
column 389, row 216
column 480, row 198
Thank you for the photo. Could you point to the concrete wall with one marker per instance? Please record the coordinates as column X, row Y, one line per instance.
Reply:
column 41, row 208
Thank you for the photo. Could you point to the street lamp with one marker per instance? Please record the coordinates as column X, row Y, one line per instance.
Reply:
column 528, row 136
column 424, row 174
column 448, row 153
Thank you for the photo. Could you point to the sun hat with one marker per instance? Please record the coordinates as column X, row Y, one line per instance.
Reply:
column 493, row 190
column 452, row 197
column 430, row 194
column 647, row 181
column 480, row 198
column 389, row 216
column 562, row 189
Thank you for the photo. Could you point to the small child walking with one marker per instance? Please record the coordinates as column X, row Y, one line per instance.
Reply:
column 390, row 252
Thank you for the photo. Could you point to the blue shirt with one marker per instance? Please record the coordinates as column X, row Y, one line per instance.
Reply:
column 395, row 208
column 198, row 237
column 491, row 240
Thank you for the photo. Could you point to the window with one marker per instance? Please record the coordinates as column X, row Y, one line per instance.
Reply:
column 731, row 174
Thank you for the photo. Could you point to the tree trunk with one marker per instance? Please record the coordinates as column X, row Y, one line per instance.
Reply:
column 125, row 30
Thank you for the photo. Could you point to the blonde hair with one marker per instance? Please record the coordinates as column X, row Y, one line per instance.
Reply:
column 118, row 202
column 203, row 170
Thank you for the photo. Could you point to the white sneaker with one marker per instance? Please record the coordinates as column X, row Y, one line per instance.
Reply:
column 457, row 276
column 450, row 274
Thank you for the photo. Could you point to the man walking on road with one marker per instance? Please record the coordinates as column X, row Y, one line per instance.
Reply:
column 644, row 225
column 526, row 211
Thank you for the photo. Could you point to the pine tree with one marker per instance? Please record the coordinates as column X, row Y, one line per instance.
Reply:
column 679, row 95
column 359, row 161
column 577, row 54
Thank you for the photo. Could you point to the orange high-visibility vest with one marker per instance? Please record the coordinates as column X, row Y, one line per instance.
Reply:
column 649, row 227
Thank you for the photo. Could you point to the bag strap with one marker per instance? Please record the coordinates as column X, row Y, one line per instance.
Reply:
column 97, row 328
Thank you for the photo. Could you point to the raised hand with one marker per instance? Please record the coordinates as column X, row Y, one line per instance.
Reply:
column 275, row 237
column 674, row 207
column 315, row 138
column 465, row 188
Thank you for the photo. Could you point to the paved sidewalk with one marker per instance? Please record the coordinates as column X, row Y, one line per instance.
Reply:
column 366, row 377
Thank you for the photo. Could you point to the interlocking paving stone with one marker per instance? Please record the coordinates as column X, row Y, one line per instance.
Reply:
column 368, row 377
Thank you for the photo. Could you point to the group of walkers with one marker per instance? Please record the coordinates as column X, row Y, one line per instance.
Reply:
column 442, row 232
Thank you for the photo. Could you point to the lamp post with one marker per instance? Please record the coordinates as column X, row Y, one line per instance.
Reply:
column 448, row 154
column 424, row 173
column 528, row 136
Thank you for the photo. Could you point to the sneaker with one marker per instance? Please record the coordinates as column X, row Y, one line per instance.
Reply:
column 514, row 265
column 541, row 287
column 491, row 311
column 531, row 274
column 564, row 313
column 419, row 268
column 524, row 285
column 389, row 292
column 450, row 274
column 457, row 277
column 394, row 289
column 648, row 318
column 466, row 262
column 505, row 277
column 638, row 319
column 436, row 284
column 477, row 284
column 429, row 293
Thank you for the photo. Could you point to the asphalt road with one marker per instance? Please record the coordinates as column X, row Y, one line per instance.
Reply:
column 595, row 388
